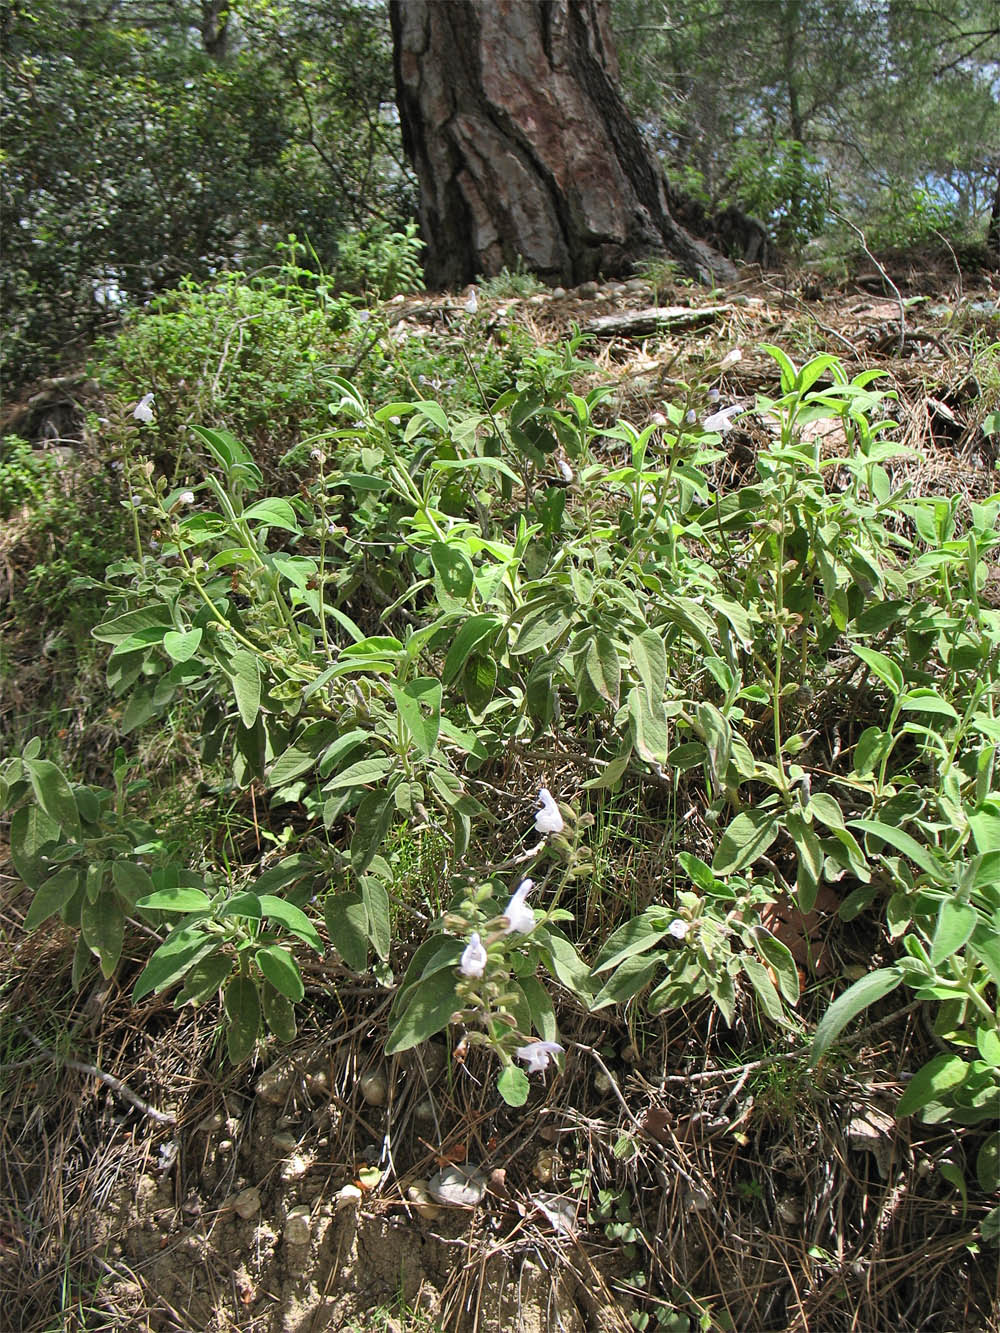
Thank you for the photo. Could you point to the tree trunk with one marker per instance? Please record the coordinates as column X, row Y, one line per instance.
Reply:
column 523, row 147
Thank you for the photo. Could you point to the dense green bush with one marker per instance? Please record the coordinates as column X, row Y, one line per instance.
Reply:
column 138, row 153
column 537, row 570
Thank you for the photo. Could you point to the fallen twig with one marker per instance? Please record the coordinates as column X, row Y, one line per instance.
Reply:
column 115, row 1084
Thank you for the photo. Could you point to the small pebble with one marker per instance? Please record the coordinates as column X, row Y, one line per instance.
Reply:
column 297, row 1225
column 374, row 1088
column 419, row 1195
column 246, row 1203
column 460, row 1186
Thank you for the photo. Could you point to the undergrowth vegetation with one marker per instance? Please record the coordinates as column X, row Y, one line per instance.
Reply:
column 508, row 702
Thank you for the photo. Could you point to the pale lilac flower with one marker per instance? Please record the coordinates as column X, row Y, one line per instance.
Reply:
column 548, row 819
column 186, row 498
column 691, row 416
column 679, row 929
column 520, row 917
column 713, row 395
column 473, row 962
column 721, row 421
column 565, row 471
column 658, row 419
column 144, row 409
column 538, row 1055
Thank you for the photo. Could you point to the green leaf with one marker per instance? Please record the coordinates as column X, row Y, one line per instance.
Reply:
column 376, row 901
column 177, row 900
column 139, row 709
column 870, row 749
column 360, row 774
column 182, row 645
column 627, row 980
column 988, row 1164
column 984, row 824
column 131, row 880
column 955, row 923
column 412, row 700
column 473, row 632
column 649, row 727
column 479, row 682
column 603, row 668
column 824, row 807
column 243, row 1011
column 429, row 1007
column 181, row 949
column 347, row 926
column 292, row 918
column 883, row 667
column 927, row 701
column 282, row 971
column 513, row 1086
column 244, row 673
column 279, row 1013
column 244, row 904
column 371, row 824
column 988, row 1045
column 53, row 896
column 224, row 447
column 542, row 627
column 31, row 833
column 453, row 574
column 543, row 1016
column 779, row 956
column 204, row 978
column 905, row 843
column 54, row 795
column 863, row 993
column 273, row 513
column 810, row 860
column 611, row 775
column 637, row 936
column 564, row 962
column 746, row 838
column 764, row 987
column 927, row 1084
column 986, row 946
column 122, row 627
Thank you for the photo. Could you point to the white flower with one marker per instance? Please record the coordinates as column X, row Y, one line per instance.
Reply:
column 144, row 409
column 520, row 917
column 731, row 358
column 679, row 929
column 538, row 1055
column 658, row 419
column 186, row 498
column 471, row 303
column 473, row 962
column 318, row 454
column 548, row 819
column 720, row 421
column 565, row 471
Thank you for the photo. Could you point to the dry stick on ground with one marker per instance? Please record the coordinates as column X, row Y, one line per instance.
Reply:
column 115, row 1084
column 888, row 281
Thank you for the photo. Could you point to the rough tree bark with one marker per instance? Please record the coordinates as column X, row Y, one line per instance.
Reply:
column 523, row 147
